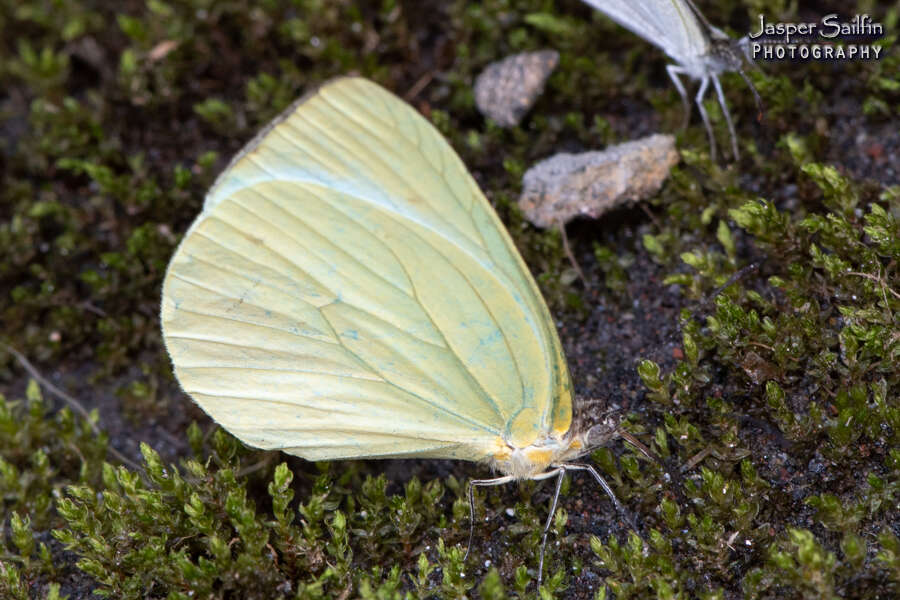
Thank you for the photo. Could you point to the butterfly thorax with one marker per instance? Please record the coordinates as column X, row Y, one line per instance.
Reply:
column 527, row 462
column 551, row 450
column 727, row 53
column 724, row 55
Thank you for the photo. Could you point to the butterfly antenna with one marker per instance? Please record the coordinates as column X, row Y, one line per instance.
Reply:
column 673, row 475
column 760, row 110
column 696, row 459
column 639, row 446
column 707, row 302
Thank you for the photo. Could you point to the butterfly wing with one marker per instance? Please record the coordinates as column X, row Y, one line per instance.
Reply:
column 673, row 25
column 348, row 291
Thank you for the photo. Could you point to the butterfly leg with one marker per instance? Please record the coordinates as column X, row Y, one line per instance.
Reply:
column 472, row 485
column 704, row 85
column 621, row 509
column 560, row 473
column 727, row 113
column 674, row 71
column 600, row 480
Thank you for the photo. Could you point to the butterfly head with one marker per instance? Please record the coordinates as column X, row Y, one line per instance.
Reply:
column 735, row 55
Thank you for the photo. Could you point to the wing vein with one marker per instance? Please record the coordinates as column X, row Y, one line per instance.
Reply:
column 375, row 156
column 176, row 336
column 443, row 409
column 269, row 249
column 260, row 282
column 402, row 225
column 244, row 301
column 322, row 239
column 418, row 145
column 459, row 360
column 260, row 325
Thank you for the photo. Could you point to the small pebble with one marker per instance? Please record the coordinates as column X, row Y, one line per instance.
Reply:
column 758, row 369
column 507, row 89
column 564, row 186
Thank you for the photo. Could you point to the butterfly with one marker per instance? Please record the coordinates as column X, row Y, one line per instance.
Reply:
column 348, row 292
column 700, row 50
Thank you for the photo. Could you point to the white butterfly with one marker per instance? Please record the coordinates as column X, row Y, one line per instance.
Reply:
column 701, row 50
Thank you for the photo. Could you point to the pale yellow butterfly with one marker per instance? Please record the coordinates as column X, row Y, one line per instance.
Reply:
column 348, row 292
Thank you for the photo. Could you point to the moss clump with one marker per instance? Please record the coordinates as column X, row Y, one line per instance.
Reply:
column 40, row 452
column 194, row 532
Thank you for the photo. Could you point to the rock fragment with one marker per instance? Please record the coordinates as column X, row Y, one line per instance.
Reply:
column 564, row 186
column 508, row 88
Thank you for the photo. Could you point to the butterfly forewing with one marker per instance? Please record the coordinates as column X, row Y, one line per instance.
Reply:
column 349, row 292
column 670, row 24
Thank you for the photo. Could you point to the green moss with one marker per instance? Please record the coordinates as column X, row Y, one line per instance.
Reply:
column 195, row 529
column 814, row 347
column 40, row 452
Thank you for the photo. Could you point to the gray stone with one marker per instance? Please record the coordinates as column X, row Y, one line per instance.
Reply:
column 507, row 89
column 564, row 186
